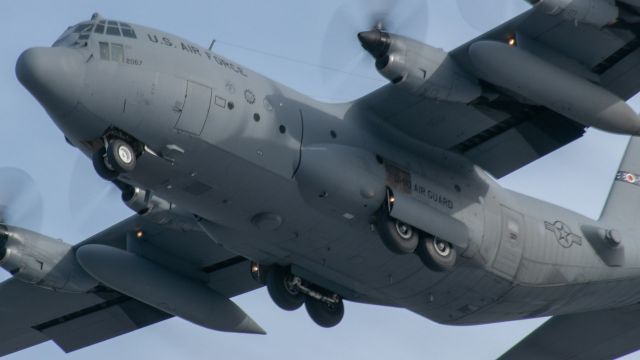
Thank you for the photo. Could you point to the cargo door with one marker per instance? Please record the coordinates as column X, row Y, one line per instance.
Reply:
column 509, row 253
column 195, row 110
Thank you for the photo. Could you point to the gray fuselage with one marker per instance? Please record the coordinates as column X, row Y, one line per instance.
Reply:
column 280, row 178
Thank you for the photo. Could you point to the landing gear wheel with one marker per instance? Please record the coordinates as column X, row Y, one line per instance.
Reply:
column 436, row 254
column 282, row 290
column 100, row 166
column 324, row 314
column 397, row 236
column 121, row 156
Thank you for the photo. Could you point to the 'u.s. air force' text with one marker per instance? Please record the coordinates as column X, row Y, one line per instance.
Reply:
column 194, row 50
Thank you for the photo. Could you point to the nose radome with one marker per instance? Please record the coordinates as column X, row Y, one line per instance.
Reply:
column 54, row 76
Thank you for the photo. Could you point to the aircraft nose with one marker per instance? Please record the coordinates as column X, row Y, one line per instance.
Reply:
column 54, row 76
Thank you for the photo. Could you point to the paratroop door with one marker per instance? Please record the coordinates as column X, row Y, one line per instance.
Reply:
column 195, row 110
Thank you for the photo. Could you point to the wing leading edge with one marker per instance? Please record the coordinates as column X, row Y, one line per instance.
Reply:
column 502, row 131
column 32, row 315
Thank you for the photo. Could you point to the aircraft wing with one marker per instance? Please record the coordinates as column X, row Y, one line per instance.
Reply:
column 32, row 315
column 606, row 334
column 503, row 131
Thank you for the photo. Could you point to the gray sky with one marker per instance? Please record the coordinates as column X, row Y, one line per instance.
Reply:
column 309, row 46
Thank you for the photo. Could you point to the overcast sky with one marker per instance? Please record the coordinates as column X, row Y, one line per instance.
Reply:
column 310, row 46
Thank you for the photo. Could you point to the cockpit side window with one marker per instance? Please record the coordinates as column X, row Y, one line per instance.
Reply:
column 117, row 53
column 104, row 50
column 83, row 28
column 127, row 30
column 76, row 36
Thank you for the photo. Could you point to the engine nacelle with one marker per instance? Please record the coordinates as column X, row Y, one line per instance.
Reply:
column 42, row 261
column 341, row 180
column 553, row 87
column 419, row 68
column 593, row 12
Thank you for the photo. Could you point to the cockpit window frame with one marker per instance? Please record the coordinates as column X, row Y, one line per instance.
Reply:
column 128, row 31
column 113, row 30
column 76, row 36
column 79, row 34
column 81, row 28
column 99, row 28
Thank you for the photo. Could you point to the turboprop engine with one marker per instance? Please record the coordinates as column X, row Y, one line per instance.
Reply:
column 419, row 68
column 42, row 261
column 598, row 13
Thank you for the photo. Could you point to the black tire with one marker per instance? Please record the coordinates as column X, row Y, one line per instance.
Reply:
column 436, row 254
column 398, row 237
column 121, row 156
column 100, row 166
column 286, row 297
column 324, row 314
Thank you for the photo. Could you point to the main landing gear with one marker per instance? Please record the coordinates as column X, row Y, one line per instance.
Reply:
column 400, row 238
column 290, row 292
column 118, row 156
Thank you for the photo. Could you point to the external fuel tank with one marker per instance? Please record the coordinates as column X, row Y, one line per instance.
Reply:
column 525, row 74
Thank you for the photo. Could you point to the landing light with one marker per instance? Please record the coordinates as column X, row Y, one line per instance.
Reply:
column 257, row 273
column 139, row 234
column 512, row 41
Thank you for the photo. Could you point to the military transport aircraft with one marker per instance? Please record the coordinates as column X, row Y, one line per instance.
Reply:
column 239, row 182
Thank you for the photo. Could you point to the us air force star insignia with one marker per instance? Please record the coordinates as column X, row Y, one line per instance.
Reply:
column 628, row 177
column 563, row 234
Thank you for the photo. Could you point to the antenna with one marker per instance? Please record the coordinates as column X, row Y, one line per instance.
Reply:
column 212, row 43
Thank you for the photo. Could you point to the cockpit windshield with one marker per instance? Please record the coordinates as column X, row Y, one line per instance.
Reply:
column 115, row 28
column 78, row 35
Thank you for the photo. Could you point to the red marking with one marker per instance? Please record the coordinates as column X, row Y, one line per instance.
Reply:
column 631, row 178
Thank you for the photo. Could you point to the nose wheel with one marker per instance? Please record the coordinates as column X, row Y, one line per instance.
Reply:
column 289, row 292
column 121, row 156
column 99, row 160
column 118, row 157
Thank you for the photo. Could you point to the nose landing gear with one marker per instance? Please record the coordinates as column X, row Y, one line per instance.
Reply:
column 117, row 157
column 121, row 156
column 290, row 292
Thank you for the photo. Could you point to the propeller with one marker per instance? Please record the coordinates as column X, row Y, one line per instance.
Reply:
column 20, row 200
column 88, row 195
column 341, row 48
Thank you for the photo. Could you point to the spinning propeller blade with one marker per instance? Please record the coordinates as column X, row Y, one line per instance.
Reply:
column 341, row 48
column 20, row 199
column 88, row 195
